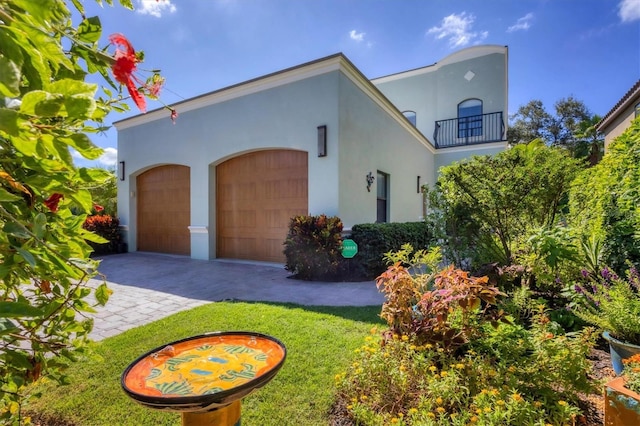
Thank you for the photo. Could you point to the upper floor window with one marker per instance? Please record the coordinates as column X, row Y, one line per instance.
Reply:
column 470, row 118
column 411, row 116
column 637, row 111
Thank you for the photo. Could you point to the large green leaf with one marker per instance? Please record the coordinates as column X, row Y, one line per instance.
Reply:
column 7, row 196
column 43, row 11
column 41, row 103
column 71, row 87
column 27, row 256
column 10, row 309
column 81, row 143
column 83, row 198
column 7, row 326
column 102, row 294
column 40, row 225
column 9, row 78
column 9, row 121
column 79, row 106
column 16, row 230
column 94, row 174
column 90, row 30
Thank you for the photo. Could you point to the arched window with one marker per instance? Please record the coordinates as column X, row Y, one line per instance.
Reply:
column 470, row 118
column 411, row 116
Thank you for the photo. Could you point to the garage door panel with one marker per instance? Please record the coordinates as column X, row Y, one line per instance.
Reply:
column 163, row 210
column 257, row 194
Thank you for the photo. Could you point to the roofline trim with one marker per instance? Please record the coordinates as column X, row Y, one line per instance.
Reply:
column 621, row 105
column 336, row 62
column 458, row 56
column 266, row 82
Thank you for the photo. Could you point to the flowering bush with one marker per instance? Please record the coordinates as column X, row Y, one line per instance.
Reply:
column 518, row 376
column 451, row 357
column 631, row 373
column 611, row 303
column 48, row 110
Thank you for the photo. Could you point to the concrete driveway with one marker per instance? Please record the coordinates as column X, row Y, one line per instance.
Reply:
column 148, row 286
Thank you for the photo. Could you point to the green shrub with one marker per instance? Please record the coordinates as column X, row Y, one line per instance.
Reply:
column 108, row 227
column 313, row 247
column 376, row 239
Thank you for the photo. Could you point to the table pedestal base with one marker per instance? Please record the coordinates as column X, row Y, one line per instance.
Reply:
column 225, row 416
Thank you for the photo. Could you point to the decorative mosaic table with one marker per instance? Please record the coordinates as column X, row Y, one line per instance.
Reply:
column 204, row 377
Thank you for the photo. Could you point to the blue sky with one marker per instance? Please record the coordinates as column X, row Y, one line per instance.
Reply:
column 589, row 49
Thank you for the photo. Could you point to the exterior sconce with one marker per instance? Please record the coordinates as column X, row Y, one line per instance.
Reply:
column 418, row 185
column 322, row 141
column 122, row 175
column 370, row 179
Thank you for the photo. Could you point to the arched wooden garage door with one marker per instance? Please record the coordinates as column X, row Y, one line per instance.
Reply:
column 164, row 210
column 256, row 196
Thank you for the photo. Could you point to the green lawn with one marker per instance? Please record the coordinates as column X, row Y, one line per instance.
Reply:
column 320, row 342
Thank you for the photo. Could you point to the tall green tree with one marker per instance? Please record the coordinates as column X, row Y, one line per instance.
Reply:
column 46, row 109
column 492, row 203
column 570, row 126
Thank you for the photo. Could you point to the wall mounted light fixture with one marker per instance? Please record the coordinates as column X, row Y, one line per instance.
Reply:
column 122, row 175
column 418, row 185
column 322, row 141
column 370, row 179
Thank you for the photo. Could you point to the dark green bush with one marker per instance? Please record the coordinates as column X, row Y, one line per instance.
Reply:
column 376, row 239
column 313, row 247
column 108, row 227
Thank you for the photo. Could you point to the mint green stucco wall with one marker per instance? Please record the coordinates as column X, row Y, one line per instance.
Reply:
column 373, row 139
column 285, row 117
column 435, row 92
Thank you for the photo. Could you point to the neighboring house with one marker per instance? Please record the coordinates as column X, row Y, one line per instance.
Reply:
column 224, row 181
column 616, row 121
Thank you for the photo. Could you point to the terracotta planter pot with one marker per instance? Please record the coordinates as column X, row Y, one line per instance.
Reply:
column 621, row 406
column 619, row 351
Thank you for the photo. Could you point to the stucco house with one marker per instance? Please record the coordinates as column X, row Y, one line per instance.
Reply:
column 321, row 137
column 618, row 119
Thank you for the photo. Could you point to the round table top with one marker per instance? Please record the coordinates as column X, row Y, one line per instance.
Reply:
column 203, row 371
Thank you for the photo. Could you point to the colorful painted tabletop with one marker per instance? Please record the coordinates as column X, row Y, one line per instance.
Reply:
column 206, row 365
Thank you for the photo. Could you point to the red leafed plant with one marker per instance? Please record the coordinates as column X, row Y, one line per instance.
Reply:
column 446, row 308
column 106, row 226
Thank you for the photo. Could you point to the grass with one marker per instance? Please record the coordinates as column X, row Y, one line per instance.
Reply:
column 320, row 342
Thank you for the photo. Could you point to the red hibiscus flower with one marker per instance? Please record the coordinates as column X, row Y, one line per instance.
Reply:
column 52, row 201
column 124, row 67
column 97, row 207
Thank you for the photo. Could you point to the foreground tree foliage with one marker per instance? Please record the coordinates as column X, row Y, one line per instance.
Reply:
column 47, row 109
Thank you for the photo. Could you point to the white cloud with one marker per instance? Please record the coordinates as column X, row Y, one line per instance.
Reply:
column 109, row 157
column 629, row 10
column 155, row 7
column 354, row 35
column 523, row 23
column 458, row 29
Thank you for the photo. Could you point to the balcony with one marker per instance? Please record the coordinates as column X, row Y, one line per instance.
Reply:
column 475, row 129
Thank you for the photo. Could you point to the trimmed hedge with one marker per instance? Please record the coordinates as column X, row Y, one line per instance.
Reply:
column 376, row 239
column 313, row 247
